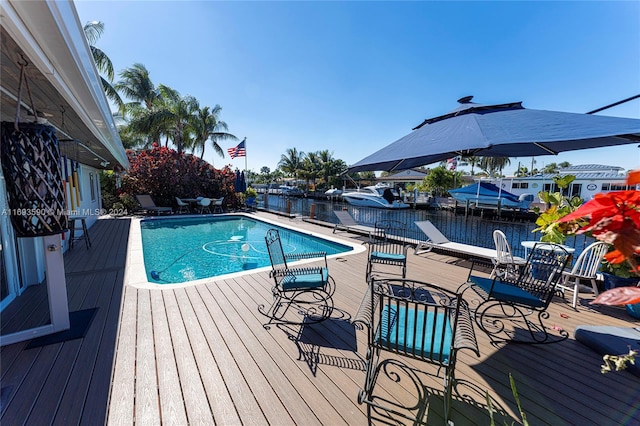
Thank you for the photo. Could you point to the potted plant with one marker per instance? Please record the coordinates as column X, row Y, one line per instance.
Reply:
column 614, row 217
column 617, row 275
column 558, row 206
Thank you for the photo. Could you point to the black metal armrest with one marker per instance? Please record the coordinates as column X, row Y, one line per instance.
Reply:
column 310, row 255
column 364, row 315
column 465, row 333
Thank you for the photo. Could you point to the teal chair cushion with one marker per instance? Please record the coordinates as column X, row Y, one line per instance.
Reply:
column 406, row 330
column 506, row 292
column 378, row 255
column 299, row 281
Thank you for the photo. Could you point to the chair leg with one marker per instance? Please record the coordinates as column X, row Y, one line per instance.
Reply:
column 576, row 290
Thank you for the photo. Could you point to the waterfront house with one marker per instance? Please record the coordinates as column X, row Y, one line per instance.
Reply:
column 590, row 180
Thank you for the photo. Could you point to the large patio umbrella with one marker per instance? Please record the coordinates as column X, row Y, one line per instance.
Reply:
column 506, row 130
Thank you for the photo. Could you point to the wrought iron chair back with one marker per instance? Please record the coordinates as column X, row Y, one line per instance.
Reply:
column 387, row 246
column 543, row 271
column 308, row 288
column 416, row 320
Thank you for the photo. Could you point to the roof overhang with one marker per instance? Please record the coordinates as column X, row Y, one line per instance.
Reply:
column 65, row 85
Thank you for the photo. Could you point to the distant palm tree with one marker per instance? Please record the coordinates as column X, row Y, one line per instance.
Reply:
column 550, row 168
column 208, row 127
column 291, row 162
column 494, row 165
column 311, row 167
column 472, row 160
column 92, row 31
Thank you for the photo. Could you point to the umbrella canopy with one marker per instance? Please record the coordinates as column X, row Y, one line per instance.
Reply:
column 506, row 130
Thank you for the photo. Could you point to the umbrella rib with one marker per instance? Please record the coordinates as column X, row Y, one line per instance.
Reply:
column 550, row 151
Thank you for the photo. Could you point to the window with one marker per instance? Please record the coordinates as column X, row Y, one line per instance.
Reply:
column 576, row 189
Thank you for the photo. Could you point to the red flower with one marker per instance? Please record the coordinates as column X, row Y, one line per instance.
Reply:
column 614, row 218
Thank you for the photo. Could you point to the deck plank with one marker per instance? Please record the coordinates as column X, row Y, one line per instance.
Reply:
column 200, row 354
column 170, row 392
column 147, row 404
column 193, row 393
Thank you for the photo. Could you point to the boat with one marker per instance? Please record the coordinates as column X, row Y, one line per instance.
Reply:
column 488, row 195
column 291, row 191
column 379, row 196
column 333, row 192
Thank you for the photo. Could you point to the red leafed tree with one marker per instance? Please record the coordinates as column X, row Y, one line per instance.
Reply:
column 165, row 174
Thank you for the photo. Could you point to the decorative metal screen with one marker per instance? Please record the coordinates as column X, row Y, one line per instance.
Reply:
column 31, row 167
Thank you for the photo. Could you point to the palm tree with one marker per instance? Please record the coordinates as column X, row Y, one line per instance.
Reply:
column 208, row 126
column 92, row 31
column 472, row 160
column 136, row 85
column 328, row 165
column 291, row 162
column 494, row 165
column 550, row 168
column 173, row 116
column 311, row 167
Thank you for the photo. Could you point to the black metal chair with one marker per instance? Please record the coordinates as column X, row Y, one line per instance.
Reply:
column 308, row 289
column 387, row 246
column 416, row 320
column 517, row 300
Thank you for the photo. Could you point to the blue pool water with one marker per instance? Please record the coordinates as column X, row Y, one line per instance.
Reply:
column 178, row 250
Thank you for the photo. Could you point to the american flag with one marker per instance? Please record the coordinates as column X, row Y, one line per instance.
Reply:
column 237, row 151
column 453, row 163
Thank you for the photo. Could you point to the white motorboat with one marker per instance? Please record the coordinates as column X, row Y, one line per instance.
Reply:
column 291, row 191
column 379, row 196
column 333, row 192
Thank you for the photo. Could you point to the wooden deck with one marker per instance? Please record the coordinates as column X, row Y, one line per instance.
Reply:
column 200, row 355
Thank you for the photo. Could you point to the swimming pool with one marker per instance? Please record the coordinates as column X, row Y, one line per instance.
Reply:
column 177, row 250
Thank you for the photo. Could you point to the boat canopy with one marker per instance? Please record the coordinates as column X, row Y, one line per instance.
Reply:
column 485, row 189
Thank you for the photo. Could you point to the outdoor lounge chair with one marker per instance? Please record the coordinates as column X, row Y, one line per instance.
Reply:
column 506, row 307
column 147, row 204
column 585, row 268
column 435, row 239
column 387, row 246
column 416, row 320
column 348, row 223
column 308, row 290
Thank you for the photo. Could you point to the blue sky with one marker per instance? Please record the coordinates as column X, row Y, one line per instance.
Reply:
column 352, row 77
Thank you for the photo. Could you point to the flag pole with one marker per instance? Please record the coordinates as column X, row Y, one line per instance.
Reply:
column 245, row 159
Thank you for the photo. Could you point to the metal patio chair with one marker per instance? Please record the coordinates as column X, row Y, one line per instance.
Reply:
column 513, row 309
column 417, row 320
column 387, row 246
column 309, row 289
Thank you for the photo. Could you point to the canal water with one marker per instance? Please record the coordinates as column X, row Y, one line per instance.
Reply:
column 459, row 228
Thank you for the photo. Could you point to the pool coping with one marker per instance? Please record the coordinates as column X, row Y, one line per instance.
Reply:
column 135, row 272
